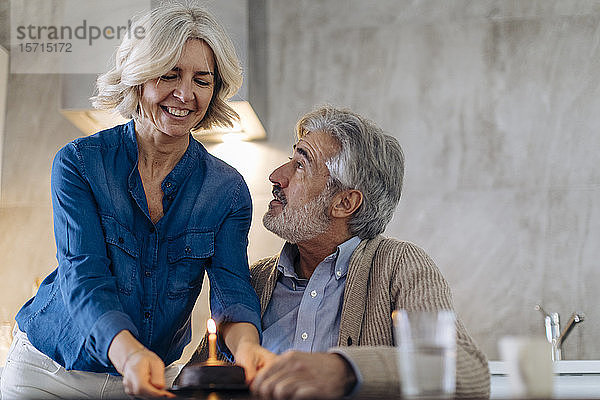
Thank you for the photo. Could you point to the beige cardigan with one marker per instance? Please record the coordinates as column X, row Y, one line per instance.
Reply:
column 384, row 275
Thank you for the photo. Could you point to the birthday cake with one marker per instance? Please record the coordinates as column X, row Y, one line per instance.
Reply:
column 202, row 376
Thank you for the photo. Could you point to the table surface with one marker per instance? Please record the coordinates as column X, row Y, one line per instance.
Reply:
column 245, row 395
column 217, row 395
column 232, row 395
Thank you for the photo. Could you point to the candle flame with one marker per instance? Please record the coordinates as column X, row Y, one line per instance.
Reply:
column 211, row 326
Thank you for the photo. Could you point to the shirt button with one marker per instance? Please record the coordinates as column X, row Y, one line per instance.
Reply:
column 313, row 293
column 188, row 249
column 148, row 274
column 147, row 314
column 168, row 184
column 304, row 336
column 338, row 273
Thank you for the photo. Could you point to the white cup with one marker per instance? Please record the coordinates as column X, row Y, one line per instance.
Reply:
column 528, row 362
column 426, row 343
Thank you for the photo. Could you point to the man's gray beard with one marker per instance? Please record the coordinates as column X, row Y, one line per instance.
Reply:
column 301, row 224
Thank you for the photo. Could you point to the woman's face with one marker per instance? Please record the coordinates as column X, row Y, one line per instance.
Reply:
column 178, row 100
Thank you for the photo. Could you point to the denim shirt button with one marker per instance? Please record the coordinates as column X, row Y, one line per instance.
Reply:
column 147, row 314
column 168, row 184
column 148, row 274
column 188, row 249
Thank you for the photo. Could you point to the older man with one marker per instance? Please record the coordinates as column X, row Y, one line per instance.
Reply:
column 330, row 292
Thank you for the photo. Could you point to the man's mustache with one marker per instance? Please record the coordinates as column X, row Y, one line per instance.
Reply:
column 278, row 194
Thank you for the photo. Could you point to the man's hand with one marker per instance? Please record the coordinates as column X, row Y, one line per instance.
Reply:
column 298, row 375
column 142, row 370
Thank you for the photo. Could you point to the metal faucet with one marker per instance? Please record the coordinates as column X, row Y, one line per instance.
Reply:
column 555, row 336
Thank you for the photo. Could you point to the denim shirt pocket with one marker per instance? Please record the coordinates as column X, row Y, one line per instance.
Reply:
column 123, row 250
column 188, row 256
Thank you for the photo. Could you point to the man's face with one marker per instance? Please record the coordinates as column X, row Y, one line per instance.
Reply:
column 300, row 208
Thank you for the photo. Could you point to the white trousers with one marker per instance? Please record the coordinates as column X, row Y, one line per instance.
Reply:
column 30, row 374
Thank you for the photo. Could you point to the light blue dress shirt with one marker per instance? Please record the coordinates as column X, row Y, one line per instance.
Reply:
column 304, row 314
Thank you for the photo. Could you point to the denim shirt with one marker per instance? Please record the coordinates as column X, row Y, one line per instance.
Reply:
column 117, row 270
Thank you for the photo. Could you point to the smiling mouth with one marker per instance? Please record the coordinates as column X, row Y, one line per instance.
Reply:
column 177, row 112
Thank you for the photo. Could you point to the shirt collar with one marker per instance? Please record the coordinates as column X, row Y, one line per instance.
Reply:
column 340, row 258
column 131, row 141
column 344, row 252
column 181, row 170
column 288, row 255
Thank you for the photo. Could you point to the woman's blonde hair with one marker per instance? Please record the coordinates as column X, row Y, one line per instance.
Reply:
column 154, row 49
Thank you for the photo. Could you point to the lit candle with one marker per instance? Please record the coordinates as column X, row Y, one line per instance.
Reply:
column 212, row 340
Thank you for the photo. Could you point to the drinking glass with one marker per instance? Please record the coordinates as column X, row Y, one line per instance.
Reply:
column 426, row 345
column 528, row 362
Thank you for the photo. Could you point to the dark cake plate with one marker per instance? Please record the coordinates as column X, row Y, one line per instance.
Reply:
column 207, row 377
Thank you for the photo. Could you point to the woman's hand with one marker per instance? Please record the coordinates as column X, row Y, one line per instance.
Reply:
column 253, row 357
column 243, row 341
column 144, row 375
column 142, row 370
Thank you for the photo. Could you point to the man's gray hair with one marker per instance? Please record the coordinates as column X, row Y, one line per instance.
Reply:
column 369, row 161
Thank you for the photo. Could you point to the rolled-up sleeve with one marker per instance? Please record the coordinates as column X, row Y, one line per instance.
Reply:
column 87, row 286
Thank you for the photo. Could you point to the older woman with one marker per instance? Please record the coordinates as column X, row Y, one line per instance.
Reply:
column 141, row 211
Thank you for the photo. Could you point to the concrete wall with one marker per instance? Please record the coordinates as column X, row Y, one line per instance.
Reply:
column 495, row 104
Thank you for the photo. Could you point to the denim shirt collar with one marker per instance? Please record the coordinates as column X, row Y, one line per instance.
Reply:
column 340, row 258
column 180, row 172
